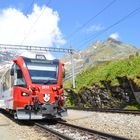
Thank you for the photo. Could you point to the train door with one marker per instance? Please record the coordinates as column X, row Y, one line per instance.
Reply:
column 17, row 78
column 0, row 89
column 12, row 75
column 5, row 90
column 2, row 104
column 6, row 84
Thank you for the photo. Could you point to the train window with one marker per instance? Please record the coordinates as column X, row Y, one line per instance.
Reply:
column 43, row 73
column 19, row 77
column 12, row 70
column 19, row 74
column 6, row 81
column 3, row 84
column 12, row 75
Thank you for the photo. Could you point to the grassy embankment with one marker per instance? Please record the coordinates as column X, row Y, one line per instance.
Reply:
column 109, row 71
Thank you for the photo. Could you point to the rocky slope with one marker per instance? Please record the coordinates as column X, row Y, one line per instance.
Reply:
column 99, row 52
column 108, row 97
column 7, row 55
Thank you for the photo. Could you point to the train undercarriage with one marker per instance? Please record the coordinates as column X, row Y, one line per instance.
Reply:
column 42, row 111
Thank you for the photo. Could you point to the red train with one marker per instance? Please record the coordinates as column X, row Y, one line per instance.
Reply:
column 32, row 88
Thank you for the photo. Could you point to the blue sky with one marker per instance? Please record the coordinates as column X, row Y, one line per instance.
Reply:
column 74, row 13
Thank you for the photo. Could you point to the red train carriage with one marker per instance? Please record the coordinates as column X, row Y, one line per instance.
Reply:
column 32, row 89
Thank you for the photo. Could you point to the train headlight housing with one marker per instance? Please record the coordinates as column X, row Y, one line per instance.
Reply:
column 46, row 97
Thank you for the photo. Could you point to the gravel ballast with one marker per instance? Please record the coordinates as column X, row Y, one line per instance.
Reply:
column 21, row 131
column 115, row 123
column 118, row 124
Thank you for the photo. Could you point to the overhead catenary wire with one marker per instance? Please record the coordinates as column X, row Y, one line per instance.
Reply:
column 30, row 6
column 91, row 19
column 26, row 36
column 132, row 13
column 26, row 12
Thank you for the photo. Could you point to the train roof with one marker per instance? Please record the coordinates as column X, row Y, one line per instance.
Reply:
column 37, row 59
column 26, row 59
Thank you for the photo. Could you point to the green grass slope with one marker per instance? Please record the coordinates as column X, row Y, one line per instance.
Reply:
column 109, row 71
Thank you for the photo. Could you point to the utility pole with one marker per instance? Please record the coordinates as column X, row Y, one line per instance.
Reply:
column 72, row 67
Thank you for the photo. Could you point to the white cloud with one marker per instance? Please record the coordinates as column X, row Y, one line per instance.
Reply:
column 115, row 36
column 15, row 26
column 94, row 28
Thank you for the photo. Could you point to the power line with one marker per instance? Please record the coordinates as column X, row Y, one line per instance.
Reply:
column 26, row 12
column 30, row 6
column 25, row 37
column 91, row 19
column 132, row 13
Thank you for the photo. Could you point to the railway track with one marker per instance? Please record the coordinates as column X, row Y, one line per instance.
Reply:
column 134, row 112
column 67, row 131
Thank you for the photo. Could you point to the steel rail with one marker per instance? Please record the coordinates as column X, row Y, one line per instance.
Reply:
column 87, row 130
column 63, row 136
column 94, row 132
column 56, row 133
column 134, row 112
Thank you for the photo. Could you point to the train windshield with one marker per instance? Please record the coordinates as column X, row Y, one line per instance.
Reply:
column 42, row 73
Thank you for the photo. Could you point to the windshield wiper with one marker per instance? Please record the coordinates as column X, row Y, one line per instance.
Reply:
column 50, row 82
column 46, row 82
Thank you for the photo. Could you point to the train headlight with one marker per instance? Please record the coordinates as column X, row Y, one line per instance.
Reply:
column 54, row 88
column 24, row 94
column 46, row 97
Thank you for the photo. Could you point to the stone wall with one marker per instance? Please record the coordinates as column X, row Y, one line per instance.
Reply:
column 107, row 97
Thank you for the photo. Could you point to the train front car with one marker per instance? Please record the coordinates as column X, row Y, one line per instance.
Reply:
column 37, row 88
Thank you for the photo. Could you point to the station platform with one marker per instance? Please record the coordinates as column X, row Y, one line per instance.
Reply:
column 5, row 132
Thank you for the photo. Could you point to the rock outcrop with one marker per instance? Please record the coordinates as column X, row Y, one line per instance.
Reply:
column 107, row 97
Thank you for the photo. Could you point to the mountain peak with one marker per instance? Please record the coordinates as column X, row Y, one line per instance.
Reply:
column 100, row 52
column 110, row 39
